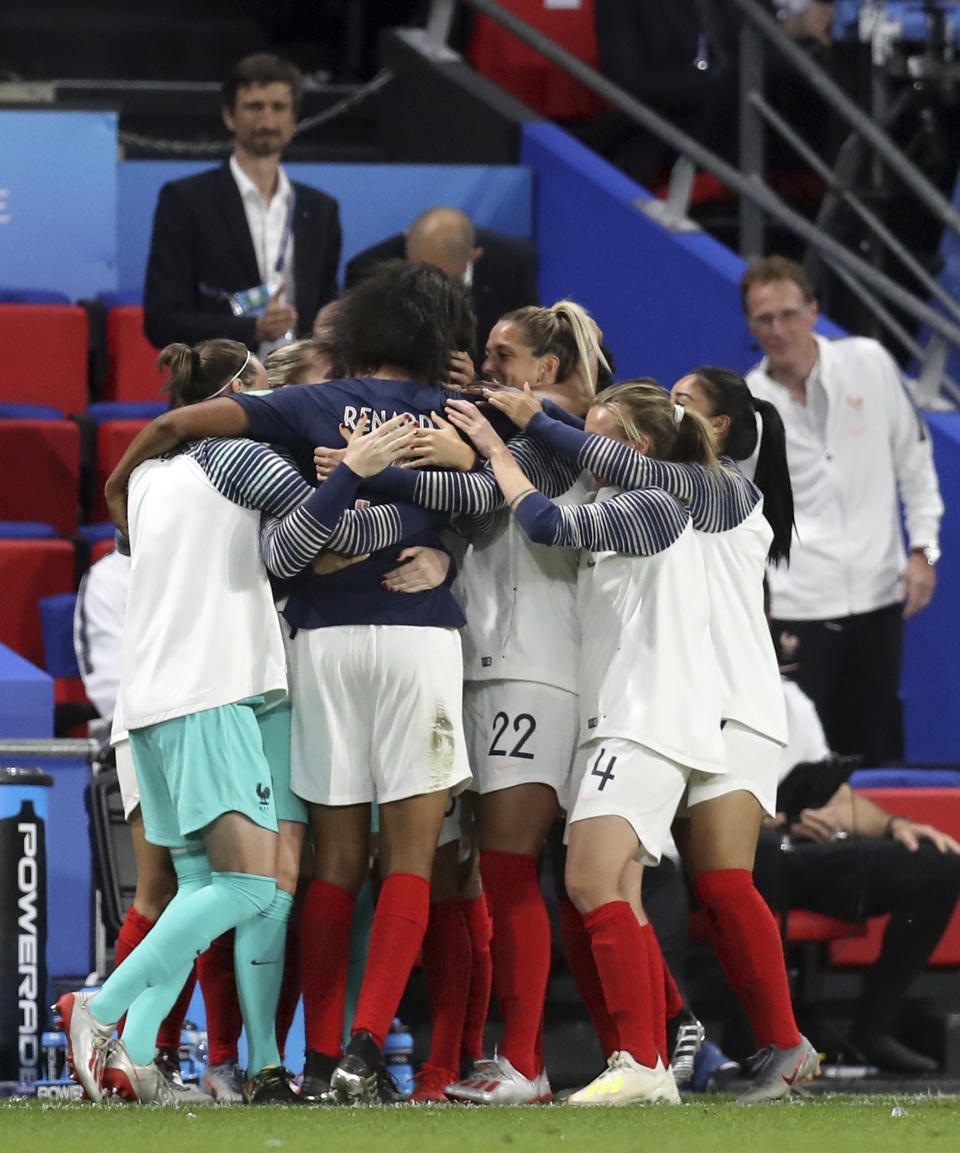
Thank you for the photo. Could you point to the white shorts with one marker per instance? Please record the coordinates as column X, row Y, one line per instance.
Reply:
column 376, row 713
column 127, row 777
column 619, row 778
column 753, row 764
column 520, row 733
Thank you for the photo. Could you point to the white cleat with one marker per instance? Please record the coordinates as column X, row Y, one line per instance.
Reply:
column 86, row 1040
column 225, row 1083
column 624, row 1082
column 494, row 1081
column 145, row 1084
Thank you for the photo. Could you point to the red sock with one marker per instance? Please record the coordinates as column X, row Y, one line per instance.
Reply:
column 324, row 959
column 134, row 928
column 446, row 969
column 218, row 983
column 480, row 928
column 399, row 925
column 168, row 1036
column 520, row 950
column 658, row 993
column 290, row 986
column 673, row 998
column 620, row 951
column 744, row 934
column 583, row 969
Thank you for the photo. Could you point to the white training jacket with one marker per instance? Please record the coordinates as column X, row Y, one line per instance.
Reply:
column 854, row 447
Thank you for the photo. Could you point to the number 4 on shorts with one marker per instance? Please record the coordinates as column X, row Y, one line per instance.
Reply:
column 601, row 770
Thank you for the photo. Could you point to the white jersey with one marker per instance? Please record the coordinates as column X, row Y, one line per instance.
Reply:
column 520, row 601
column 648, row 669
column 734, row 561
column 201, row 628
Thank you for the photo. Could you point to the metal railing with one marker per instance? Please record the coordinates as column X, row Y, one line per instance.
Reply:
column 758, row 202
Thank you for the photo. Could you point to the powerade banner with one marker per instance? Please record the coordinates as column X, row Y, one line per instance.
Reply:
column 23, row 934
column 58, row 201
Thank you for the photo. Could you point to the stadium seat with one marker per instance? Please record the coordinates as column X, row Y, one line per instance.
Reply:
column 527, row 75
column 44, row 355
column 100, row 549
column 32, row 296
column 113, row 437
column 56, row 620
column 30, row 570
column 26, row 530
column 930, row 806
column 41, row 460
column 132, row 372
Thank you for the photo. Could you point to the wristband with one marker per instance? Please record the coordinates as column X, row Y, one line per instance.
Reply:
column 888, row 827
column 520, row 495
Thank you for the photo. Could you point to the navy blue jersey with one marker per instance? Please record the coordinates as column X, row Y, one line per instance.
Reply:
column 307, row 415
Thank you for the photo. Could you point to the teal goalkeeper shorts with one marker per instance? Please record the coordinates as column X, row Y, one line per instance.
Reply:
column 275, row 732
column 195, row 768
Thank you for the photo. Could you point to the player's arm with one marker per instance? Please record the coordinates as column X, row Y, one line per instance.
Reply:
column 209, row 418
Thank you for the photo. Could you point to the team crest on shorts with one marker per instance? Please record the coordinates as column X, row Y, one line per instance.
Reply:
column 263, row 792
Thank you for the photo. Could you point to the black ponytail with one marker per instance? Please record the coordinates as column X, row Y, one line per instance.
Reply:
column 772, row 477
column 729, row 395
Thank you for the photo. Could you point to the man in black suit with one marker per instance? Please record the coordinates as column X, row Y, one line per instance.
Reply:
column 240, row 251
column 501, row 270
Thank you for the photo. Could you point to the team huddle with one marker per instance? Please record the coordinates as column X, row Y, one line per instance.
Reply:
column 597, row 652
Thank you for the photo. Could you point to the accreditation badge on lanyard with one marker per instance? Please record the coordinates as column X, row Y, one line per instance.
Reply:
column 254, row 301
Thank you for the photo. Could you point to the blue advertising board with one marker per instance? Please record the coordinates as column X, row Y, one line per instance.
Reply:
column 58, row 200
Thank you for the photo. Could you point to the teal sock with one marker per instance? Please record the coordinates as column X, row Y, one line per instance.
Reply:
column 183, row 932
column 258, row 953
column 193, row 874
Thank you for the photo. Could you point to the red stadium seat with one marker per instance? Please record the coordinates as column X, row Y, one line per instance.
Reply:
column 41, row 460
column 132, row 372
column 29, row 570
column 44, row 355
column 527, row 75
column 934, row 806
column 100, row 550
column 113, row 436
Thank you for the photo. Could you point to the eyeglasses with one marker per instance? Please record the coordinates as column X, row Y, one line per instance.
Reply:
column 768, row 319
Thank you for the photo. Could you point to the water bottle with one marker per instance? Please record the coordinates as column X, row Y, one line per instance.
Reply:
column 398, row 1056
column 54, row 1048
column 193, row 1053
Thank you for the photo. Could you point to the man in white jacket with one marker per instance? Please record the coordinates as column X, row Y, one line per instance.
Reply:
column 857, row 448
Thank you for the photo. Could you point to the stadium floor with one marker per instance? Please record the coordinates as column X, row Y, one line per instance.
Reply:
column 822, row 1122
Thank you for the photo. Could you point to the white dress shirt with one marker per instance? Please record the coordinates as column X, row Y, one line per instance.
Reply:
column 266, row 222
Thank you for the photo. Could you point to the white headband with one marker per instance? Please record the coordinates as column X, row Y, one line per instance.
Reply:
column 678, row 411
column 223, row 388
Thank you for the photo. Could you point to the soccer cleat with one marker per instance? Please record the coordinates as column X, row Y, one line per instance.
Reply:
column 143, row 1084
column 271, row 1086
column 496, row 1082
column 224, row 1082
column 86, row 1040
column 356, row 1078
column 317, row 1070
column 774, row 1072
column 686, row 1035
column 712, row 1070
column 431, row 1083
column 624, row 1082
